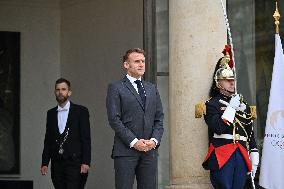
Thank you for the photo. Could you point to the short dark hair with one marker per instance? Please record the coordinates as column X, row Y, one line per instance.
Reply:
column 129, row 51
column 63, row 80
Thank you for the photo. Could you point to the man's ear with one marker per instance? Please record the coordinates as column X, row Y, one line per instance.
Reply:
column 69, row 93
column 125, row 65
column 218, row 85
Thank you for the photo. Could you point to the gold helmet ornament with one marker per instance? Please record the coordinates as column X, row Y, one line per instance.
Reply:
column 225, row 70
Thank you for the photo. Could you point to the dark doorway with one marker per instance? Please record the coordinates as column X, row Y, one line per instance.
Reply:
column 9, row 102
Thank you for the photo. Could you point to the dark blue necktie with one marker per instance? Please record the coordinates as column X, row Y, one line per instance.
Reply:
column 141, row 91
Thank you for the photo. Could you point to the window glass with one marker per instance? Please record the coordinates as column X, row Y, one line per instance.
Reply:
column 253, row 30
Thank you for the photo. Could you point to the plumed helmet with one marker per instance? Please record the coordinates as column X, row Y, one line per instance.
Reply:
column 225, row 70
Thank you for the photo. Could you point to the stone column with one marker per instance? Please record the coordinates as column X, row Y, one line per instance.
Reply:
column 197, row 35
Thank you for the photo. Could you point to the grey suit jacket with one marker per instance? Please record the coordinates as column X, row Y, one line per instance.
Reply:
column 129, row 119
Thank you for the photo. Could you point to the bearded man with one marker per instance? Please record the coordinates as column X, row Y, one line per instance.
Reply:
column 67, row 141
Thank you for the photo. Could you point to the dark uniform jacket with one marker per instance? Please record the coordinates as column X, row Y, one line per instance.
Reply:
column 221, row 149
column 78, row 143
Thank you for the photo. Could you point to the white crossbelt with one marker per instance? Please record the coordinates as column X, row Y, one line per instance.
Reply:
column 232, row 137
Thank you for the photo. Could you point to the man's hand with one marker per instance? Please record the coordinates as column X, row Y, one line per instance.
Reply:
column 44, row 170
column 235, row 101
column 84, row 168
column 150, row 144
column 140, row 145
column 253, row 170
column 254, row 158
column 230, row 111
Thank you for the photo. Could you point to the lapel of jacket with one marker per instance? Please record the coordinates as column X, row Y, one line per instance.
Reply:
column 133, row 91
column 147, row 90
column 55, row 120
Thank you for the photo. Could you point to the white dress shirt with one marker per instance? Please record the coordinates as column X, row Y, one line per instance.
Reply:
column 132, row 81
column 62, row 116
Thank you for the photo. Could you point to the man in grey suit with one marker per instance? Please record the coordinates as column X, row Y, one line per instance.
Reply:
column 135, row 114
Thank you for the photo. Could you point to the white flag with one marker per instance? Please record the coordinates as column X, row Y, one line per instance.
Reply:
column 272, row 162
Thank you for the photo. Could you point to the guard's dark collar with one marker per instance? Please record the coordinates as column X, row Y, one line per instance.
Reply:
column 224, row 96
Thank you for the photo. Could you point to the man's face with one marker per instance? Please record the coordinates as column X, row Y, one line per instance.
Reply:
column 62, row 92
column 135, row 65
column 227, row 86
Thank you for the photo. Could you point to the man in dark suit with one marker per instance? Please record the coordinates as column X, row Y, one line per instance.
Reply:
column 135, row 114
column 67, row 141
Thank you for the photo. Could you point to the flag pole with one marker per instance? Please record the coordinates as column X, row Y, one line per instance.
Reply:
column 231, row 43
column 276, row 16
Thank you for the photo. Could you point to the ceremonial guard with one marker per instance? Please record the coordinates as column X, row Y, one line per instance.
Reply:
column 232, row 152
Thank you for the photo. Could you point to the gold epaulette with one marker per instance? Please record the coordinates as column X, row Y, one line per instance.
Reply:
column 253, row 112
column 200, row 110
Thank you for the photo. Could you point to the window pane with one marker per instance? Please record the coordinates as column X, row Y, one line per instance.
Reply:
column 253, row 31
column 162, row 35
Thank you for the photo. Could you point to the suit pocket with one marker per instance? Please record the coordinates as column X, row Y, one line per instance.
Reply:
column 128, row 123
column 127, row 120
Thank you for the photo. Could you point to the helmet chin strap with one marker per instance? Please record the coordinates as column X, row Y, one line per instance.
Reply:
column 220, row 87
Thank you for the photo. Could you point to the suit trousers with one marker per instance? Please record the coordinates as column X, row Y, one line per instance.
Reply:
column 143, row 166
column 232, row 175
column 65, row 174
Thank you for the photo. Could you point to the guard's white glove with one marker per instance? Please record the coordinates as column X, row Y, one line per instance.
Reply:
column 254, row 158
column 242, row 107
column 229, row 113
column 253, row 170
column 235, row 101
